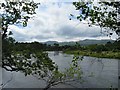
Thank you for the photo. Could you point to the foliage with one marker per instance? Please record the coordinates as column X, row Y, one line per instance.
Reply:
column 103, row 14
column 37, row 46
column 91, row 50
column 42, row 66
column 73, row 73
column 103, row 54
column 18, row 56
column 19, row 13
column 14, row 12
column 108, row 50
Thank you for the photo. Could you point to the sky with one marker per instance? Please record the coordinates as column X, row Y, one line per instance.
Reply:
column 51, row 23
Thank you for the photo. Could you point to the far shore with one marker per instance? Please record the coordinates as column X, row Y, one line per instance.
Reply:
column 103, row 54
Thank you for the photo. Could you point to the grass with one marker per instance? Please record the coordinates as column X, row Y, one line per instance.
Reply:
column 103, row 54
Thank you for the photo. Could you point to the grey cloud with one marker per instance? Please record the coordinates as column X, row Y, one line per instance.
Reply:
column 20, row 37
column 70, row 31
column 42, row 37
column 96, row 35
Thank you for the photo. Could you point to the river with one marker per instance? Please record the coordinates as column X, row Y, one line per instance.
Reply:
column 97, row 73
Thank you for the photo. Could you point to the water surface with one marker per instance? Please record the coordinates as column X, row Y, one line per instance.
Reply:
column 97, row 73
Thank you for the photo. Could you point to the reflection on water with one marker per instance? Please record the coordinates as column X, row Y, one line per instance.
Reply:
column 97, row 73
column 56, row 53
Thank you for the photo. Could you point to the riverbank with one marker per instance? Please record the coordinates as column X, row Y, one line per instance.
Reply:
column 104, row 54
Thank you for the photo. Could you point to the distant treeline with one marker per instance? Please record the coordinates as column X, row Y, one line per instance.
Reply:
column 36, row 46
column 115, row 47
column 108, row 50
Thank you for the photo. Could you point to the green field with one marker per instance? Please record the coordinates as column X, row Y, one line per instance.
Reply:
column 104, row 54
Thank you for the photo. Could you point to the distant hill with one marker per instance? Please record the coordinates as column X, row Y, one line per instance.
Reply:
column 51, row 42
column 90, row 42
column 81, row 42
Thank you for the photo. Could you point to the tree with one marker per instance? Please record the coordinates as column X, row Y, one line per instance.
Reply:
column 19, row 12
column 73, row 73
column 56, row 46
column 11, row 61
column 103, row 14
column 12, row 13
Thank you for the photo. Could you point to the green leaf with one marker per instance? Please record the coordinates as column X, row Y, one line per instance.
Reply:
column 24, row 24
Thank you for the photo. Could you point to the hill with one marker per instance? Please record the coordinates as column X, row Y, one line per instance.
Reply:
column 81, row 42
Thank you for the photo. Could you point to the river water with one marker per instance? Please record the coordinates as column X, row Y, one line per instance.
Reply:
column 97, row 73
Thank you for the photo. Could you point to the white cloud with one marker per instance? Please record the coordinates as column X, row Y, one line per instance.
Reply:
column 52, row 23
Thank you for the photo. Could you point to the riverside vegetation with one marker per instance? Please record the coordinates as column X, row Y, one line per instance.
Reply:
column 19, row 12
column 108, row 50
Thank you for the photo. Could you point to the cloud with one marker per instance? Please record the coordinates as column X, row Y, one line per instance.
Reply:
column 52, row 23
column 81, row 31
